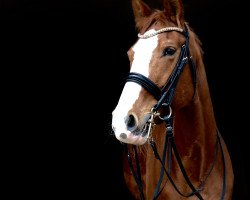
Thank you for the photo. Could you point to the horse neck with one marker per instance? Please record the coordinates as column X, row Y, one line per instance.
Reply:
column 195, row 127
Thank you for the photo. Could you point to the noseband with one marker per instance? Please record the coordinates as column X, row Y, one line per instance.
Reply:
column 164, row 97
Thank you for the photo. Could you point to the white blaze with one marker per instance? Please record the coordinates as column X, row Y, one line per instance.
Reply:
column 143, row 51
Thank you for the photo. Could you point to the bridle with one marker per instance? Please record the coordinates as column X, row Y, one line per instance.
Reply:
column 164, row 97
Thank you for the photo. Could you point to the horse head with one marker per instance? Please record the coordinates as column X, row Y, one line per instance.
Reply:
column 162, row 46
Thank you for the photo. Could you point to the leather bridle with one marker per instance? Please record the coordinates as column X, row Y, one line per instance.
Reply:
column 166, row 93
column 164, row 97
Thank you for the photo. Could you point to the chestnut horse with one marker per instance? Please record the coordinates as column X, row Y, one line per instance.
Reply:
column 164, row 117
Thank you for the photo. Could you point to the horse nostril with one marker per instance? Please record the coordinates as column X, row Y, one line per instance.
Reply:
column 123, row 136
column 130, row 122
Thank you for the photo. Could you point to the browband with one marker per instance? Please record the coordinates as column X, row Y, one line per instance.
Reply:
column 167, row 29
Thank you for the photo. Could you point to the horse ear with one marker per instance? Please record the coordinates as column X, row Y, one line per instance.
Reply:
column 174, row 10
column 140, row 9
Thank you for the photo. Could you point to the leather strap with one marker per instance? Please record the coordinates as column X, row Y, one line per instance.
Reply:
column 149, row 85
column 137, row 176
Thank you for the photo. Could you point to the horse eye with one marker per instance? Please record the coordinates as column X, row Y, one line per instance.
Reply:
column 169, row 51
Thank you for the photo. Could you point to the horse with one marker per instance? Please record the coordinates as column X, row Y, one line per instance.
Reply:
column 164, row 117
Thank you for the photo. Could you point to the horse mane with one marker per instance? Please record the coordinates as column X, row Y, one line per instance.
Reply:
column 156, row 17
column 195, row 47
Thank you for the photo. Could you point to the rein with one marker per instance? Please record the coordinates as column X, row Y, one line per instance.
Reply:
column 164, row 97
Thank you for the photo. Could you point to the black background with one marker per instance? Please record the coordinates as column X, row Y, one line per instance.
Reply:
column 70, row 52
